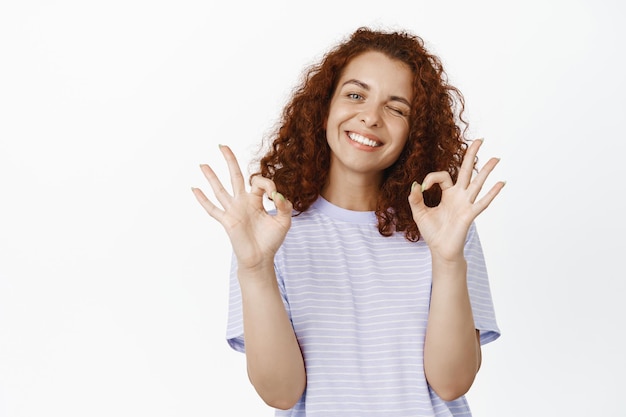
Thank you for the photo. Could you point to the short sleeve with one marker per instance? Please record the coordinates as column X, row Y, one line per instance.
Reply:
column 234, row 327
column 479, row 289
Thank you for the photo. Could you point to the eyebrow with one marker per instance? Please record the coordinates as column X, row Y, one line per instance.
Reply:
column 366, row 87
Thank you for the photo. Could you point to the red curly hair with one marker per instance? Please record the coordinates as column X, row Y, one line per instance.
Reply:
column 298, row 159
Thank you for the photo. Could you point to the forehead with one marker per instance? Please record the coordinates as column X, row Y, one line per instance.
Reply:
column 377, row 70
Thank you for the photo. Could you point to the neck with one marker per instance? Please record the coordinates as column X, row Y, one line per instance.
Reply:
column 352, row 192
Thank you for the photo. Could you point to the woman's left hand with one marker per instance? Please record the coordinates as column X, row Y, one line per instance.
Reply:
column 445, row 227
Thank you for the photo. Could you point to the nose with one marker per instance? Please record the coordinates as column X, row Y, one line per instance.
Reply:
column 370, row 115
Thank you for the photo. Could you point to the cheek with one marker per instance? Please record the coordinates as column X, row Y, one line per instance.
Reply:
column 402, row 140
column 329, row 120
column 333, row 122
column 401, row 130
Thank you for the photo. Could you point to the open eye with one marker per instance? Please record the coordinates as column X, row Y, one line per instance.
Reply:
column 354, row 96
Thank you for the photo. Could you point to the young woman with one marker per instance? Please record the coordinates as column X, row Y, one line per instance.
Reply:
column 365, row 292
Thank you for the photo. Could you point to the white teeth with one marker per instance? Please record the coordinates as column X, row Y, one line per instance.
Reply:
column 362, row 139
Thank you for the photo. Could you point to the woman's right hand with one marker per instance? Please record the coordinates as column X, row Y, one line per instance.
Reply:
column 254, row 234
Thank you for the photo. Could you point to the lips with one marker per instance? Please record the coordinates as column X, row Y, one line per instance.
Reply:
column 363, row 140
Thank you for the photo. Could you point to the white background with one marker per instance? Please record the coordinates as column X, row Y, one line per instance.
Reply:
column 113, row 280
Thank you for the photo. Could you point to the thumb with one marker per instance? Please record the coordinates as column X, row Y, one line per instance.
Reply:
column 416, row 199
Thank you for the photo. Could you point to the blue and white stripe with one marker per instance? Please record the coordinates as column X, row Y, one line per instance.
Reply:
column 359, row 305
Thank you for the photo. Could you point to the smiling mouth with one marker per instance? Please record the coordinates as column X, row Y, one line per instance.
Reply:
column 363, row 140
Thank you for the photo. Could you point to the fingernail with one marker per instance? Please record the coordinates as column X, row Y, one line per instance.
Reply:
column 423, row 187
column 413, row 185
column 279, row 195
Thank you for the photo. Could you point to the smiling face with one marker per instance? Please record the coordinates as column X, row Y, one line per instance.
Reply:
column 368, row 119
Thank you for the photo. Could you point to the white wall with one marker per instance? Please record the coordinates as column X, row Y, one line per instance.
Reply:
column 113, row 280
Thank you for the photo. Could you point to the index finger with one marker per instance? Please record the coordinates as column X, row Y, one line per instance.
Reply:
column 236, row 177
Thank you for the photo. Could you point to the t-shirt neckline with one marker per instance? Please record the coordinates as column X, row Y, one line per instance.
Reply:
column 342, row 214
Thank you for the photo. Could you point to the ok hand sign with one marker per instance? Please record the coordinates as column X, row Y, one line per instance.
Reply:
column 445, row 227
column 254, row 234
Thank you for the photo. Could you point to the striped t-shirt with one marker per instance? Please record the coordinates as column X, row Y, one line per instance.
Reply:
column 358, row 302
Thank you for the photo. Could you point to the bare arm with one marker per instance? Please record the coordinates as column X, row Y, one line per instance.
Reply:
column 274, row 360
column 452, row 350
column 452, row 354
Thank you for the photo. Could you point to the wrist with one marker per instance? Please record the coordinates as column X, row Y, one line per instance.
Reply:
column 261, row 273
column 448, row 265
column 447, row 257
column 255, row 265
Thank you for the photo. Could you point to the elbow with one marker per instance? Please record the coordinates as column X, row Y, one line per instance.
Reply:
column 451, row 386
column 451, row 393
column 284, row 401
column 281, row 396
column 280, row 403
column 452, row 390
